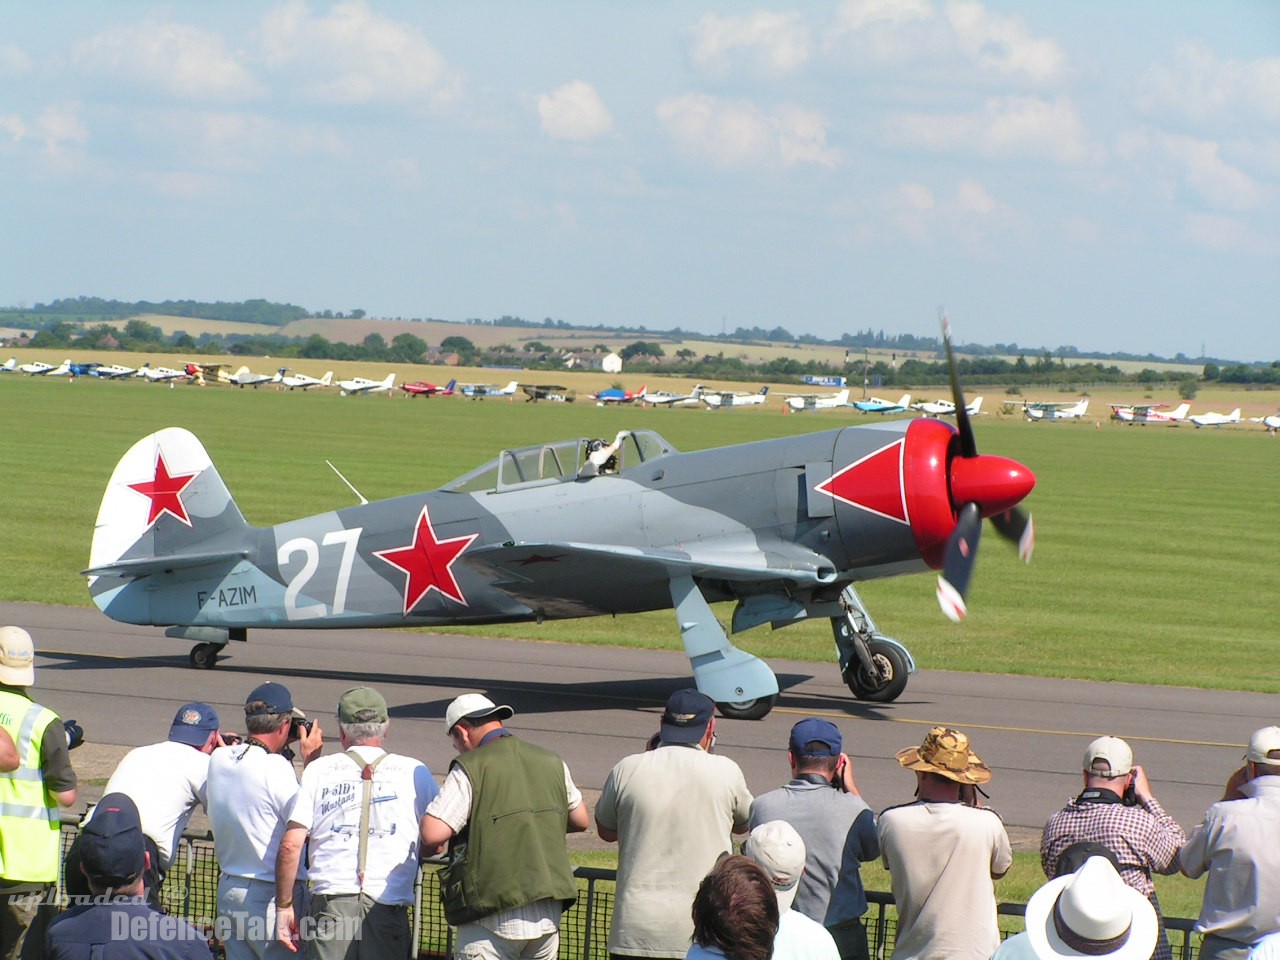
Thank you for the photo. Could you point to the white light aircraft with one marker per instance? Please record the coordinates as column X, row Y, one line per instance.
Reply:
column 665, row 398
column 61, row 370
column 38, row 368
column 1272, row 422
column 877, row 405
column 10, row 365
column 478, row 391
column 303, row 382
column 828, row 401
column 1215, row 419
column 945, row 408
column 731, row 398
column 1149, row 413
column 160, row 374
column 244, row 377
column 114, row 371
column 1056, row 411
column 360, row 385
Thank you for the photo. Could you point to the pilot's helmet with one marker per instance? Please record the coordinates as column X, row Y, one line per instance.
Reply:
column 594, row 445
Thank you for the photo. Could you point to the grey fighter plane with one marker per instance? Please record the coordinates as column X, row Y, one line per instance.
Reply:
column 783, row 527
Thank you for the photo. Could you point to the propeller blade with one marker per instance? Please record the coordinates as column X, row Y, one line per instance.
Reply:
column 968, row 446
column 957, row 567
column 1016, row 527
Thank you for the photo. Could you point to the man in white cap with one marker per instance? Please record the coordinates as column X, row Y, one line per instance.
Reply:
column 31, row 795
column 777, row 847
column 503, row 810
column 1087, row 914
column 943, row 851
column 1236, row 844
column 1118, row 810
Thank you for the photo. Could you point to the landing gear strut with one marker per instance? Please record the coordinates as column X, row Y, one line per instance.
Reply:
column 874, row 666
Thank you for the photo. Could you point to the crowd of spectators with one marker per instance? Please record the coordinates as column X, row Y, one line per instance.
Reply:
column 324, row 864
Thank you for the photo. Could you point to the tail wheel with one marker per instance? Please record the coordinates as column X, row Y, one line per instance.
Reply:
column 893, row 674
column 756, row 709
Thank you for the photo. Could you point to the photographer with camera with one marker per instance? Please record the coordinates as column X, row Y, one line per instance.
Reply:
column 251, row 789
column 1117, row 810
column 822, row 803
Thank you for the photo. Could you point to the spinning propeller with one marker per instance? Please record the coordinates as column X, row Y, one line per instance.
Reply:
column 981, row 486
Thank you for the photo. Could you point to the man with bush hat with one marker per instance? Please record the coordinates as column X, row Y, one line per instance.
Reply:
column 943, row 851
column 839, row 830
column 503, row 810
column 1118, row 810
column 358, row 814
column 118, row 924
column 31, row 796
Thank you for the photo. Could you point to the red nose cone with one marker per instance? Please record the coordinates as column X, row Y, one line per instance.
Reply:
column 995, row 484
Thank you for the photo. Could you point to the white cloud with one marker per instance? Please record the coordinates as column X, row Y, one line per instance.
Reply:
column 1215, row 180
column 14, row 62
column 1198, row 86
column 881, row 32
column 970, row 216
column 353, row 55
column 60, row 130
column 1004, row 44
column 574, row 112
column 182, row 61
column 739, row 134
column 11, row 126
column 1012, row 127
column 1224, row 235
column 775, row 43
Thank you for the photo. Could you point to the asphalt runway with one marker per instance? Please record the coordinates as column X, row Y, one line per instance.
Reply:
column 594, row 705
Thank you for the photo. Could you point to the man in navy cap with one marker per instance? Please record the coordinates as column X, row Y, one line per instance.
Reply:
column 673, row 810
column 252, row 786
column 118, row 923
column 166, row 781
column 822, row 803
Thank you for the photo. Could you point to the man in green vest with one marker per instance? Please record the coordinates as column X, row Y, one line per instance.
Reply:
column 503, row 810
column 30, row 798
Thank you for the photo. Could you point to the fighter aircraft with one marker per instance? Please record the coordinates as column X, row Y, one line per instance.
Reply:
column 715, row 399
column 478, row 391
column 421, row 388
column 548, row 391
column 816, row 401
column 1215, row 419
column 300, row 381
column 783, row 527
column 669, row 399
column 1044, row 410
column 114, row 371
column 876, row 405
column 358, row 386
column 618, row 395
column 244, row 377
column 946, row 408
column 1149, row 412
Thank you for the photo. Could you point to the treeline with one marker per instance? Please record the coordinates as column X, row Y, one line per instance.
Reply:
column 94, row 308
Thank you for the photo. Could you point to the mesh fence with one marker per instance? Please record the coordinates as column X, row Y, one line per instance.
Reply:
column 190, row 890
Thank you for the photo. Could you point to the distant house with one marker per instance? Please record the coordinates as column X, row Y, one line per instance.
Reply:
column 611, row 363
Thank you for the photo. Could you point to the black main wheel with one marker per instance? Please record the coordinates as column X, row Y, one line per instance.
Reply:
column 756, row 709
column 893, row 668
column 204, row 656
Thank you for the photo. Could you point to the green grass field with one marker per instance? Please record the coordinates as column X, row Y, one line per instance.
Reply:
column 1155, row 557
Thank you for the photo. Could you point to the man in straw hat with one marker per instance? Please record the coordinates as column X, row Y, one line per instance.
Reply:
column 942, row 851
column 1089, row 913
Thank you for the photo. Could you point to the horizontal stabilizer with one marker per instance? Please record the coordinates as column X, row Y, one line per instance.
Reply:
column 144, row 566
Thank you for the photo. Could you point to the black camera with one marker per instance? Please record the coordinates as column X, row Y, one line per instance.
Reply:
column 298, row 726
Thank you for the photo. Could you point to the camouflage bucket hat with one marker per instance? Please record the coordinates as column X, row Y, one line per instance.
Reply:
column 946, row 752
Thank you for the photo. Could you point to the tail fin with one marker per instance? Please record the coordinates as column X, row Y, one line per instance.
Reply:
column 975, row 406
column 905, row 402
column 327, row 379
column 165, row 508
column 390, row 381
column 842, row 398
column 644, row 388
column 451, row 385
column 1181, row 412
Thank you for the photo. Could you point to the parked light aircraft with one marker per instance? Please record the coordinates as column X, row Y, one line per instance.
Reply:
column 9, row 365
column 946, row 408
column 715, row 399
column 618, row 395
column 783, row 527
column 1149, row 412
column 65, row 369
column 811, row 401
column 668, row 399
column 1215, row 419
column 358, row 386
column 301, row 381
column 420, row 388
column 548, row 391
column 876, row 405
column 206, row 373
column 478, row 391
column 1272, row 422
column 1056, row 410
column 244, row 377
column 160, row 374
column 114, row 371
column 38, row 368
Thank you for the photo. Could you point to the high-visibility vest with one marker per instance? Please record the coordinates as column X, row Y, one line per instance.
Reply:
column 29, row 820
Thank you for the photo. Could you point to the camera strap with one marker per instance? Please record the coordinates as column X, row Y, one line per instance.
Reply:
column 1099, row 795
column 815, row 778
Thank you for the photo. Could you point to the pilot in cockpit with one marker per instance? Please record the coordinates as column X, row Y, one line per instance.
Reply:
column 602, row 456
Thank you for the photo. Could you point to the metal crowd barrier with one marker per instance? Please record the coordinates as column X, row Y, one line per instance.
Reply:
column 190, row 890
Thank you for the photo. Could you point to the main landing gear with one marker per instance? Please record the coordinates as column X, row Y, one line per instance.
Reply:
column 204, row 656
column 209, row 642
column 874, row 666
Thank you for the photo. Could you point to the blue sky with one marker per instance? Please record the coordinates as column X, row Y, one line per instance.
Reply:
column 1100, row 174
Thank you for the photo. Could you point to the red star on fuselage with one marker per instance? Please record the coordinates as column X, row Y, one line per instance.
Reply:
column 427, row 563
column 164, row 492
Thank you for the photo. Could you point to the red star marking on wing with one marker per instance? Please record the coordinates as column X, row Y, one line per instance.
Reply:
column 873, row 483
column 427, row 563
column 164, row 492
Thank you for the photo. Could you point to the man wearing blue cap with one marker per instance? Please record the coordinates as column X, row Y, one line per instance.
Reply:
column 822, row 803
column 166, row 781
column 252, row 786
column 118, row 923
